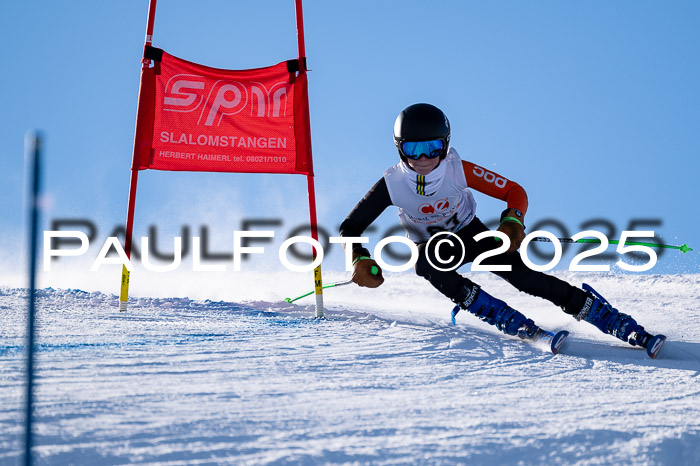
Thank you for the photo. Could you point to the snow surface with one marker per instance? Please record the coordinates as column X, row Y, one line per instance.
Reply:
column 385, row 379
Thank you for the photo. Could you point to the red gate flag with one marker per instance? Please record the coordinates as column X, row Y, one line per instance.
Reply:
column 196, row 118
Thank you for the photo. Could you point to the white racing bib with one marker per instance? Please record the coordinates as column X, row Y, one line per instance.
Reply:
column 428, row 204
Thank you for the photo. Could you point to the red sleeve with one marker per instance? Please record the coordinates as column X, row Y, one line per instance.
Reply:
column 494, row 185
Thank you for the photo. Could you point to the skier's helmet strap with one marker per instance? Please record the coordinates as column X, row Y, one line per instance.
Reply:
column 421, row 122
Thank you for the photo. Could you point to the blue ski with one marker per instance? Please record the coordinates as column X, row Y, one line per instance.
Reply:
column 554, row 340
column 654, row 345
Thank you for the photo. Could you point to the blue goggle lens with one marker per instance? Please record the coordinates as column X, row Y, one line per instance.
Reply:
column 431, row 149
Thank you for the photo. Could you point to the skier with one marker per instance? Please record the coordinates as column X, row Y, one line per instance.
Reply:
column 430, row 186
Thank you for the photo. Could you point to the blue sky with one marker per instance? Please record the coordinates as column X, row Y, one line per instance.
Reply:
column 592, row 106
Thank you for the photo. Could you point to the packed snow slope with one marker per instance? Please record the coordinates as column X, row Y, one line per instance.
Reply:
column 385, row 379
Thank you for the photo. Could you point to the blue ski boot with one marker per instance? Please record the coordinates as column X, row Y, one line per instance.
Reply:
column 598, row 312
column 495, row 312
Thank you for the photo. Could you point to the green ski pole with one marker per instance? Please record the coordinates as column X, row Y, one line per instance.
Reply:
column 374, row 271
column 330, row 285
column 684, row 248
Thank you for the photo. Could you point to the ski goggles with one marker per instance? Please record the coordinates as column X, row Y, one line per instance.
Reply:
column 431, row 149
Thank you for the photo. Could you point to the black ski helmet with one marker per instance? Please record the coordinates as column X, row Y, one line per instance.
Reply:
column 421, row 122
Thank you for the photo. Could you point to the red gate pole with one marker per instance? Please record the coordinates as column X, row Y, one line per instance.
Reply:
column 318, row 282
column 145, row 63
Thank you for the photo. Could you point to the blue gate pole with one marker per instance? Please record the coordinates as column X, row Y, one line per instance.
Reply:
column 32, row 146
